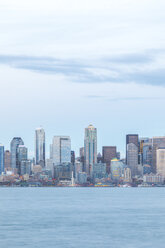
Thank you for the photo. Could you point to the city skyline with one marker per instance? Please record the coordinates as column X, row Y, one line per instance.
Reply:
column 76, row 148
column 74, row 63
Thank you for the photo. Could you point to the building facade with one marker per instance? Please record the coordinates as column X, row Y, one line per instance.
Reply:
column 131, row 139
column 99, row 171
column 90, row 148
column 108, row 153
column 40, row 147
column 61, row 150
column 132, row 158
column 116, row 169
column 157, row 142
column 16, row 141
column 7, row 160
column 160, row 161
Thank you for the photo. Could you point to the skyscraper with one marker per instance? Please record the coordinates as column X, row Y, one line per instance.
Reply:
column 7, row 160
column 132, row 158
column 160, row 161
column 157, row 142
column 1, row 159
column 108, row 152
column 40, row 147
column 16, row 141
column 131, row 139
column 22, row 152
column 90, row 148
column 61, row 149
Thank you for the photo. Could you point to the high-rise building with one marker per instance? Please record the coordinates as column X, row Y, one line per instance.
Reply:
column 160, row 161
column 7, row 160
column 131, row 139
column 90, row 148
column 73, row 157
column 116, row 169
column 82, row 178
column 127, row 175
column 25, row 167
column 40, row 147
column 63, row 171
column 61, row 149
column 1, row 159
column 16, row 141
column 157, row 142
column 99, row 171
column 109, row 152
column 132, row 158
column 78, row 168
column 22, row 155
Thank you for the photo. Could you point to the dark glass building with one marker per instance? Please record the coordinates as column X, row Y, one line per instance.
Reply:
column 108, row 153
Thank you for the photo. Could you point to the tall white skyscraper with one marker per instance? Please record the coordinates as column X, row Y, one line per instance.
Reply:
column 61, row 149
column 40, row 147
column 160, row 161
column 90, row 148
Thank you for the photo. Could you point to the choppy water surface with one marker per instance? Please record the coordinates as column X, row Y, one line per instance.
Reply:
column 82, row 217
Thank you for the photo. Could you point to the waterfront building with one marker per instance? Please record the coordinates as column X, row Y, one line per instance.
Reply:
column 90, row 148
column 63, row 171
column 61, row 150
column 127, row 175
column 157, row 142
column 99, row 170
column 16, row 141
column 108, row 152
column 132, row 152
column 131, row 139
column 40, row 147
column 2, row 160
column 25, row 167
column 50, row 166
column 160, row 161
column 82, row 178
column 116, row 169
column 153, row 179
column 7, row 160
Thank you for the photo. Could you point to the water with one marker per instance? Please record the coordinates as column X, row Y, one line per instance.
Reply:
column 82, row 217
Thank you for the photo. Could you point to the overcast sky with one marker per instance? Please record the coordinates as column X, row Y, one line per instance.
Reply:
column 65, row 64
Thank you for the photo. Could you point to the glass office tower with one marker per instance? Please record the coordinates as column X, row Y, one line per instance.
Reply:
column 90, row 148
column 40, row 147
column 61, row 149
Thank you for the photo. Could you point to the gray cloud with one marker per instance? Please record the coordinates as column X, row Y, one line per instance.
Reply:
column 107, row 69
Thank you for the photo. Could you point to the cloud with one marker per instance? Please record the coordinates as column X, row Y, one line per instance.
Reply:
column 143, row 68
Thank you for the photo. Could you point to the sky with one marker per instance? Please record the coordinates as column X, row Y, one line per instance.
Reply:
column 65, row 64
